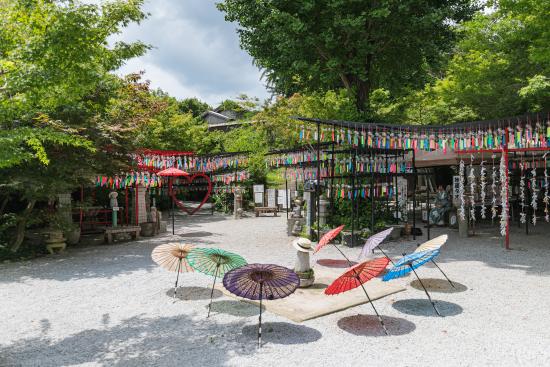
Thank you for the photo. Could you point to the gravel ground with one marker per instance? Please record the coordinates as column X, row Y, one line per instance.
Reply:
column 112, row 306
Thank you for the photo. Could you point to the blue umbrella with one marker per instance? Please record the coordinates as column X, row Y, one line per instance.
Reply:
column 410, row 262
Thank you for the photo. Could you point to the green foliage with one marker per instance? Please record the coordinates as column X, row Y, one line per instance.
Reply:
column 194, row 106
column 500, row 67
column 311, row 45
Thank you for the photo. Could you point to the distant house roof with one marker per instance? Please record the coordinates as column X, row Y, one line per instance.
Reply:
column 220, row 119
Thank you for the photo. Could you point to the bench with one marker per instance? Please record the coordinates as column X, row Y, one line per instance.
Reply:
column 133, row 230
column 265, row 209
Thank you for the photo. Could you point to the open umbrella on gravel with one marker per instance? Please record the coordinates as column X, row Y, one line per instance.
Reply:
column 358, row 275
column 435, row 244
column 171, row 173
column 261, row 281
column 410, row 262
column 373, row 242
column 173, row 257
column 329, row 236
column 215, row 262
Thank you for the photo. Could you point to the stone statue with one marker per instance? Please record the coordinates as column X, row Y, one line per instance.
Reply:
column 297, row 211
column 442, row 206
column 302, row 267
column 113, row 199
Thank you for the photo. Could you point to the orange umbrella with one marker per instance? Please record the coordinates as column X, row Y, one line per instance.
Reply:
column 173, row 257
column 356, row 276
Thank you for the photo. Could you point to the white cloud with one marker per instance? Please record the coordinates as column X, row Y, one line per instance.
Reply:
column 196, row 53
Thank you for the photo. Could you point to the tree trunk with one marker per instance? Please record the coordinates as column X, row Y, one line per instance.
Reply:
column 362, row 95
column 21, row 225
column 4, row 204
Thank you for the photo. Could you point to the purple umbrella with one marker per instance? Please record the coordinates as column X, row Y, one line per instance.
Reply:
column 259, row 281
column 373, row 242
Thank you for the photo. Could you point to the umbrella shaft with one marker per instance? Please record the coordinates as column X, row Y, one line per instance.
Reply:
column 445, row 275
column 260, row 319
column 212, row 292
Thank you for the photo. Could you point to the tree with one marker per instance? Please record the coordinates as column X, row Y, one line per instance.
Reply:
column 55, row 86
column 193, row 105
column 501, row 66
column 311, row 45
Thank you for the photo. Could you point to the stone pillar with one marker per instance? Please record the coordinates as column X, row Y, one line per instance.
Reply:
column 302, row 261
column 141, row 206
column 323, row 211
column 309, row 197
column 64, row 206
column 462, row 227
column 238, row 203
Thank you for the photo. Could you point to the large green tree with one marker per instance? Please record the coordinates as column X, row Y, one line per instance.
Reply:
column 319, row 45
column 500, row 67
column 55, row 89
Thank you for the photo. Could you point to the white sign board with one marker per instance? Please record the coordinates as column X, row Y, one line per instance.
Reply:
column 283, row 198
column 456, row 183
column 271, row 198
column 402, row 189
column 258, row 188
column 259, row 198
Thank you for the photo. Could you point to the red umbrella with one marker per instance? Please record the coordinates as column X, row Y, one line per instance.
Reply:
column 356, row 276
column 328, row 237
column 172, row 172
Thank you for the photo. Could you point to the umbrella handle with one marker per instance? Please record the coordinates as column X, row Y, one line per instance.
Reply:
column 177, row 277
column 260, row 318
column 445, row 275
column 212, row 292
column 425, row 290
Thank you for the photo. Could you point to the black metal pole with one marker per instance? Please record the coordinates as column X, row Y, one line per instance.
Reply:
column 374, row 308
column 260, row 319
column 445, row 275
column 384, row 253
column 332, row 193
column 428, row 206
column 212, row 292
column 396, row 196
column 286, row 194
column 372, row 204
column 177, row 277
column 353, row 199
column 425, row 290
column 172, row 198
column 415, row 177
column 317, row 187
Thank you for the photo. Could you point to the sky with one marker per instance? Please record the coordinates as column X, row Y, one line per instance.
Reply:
column 195, row 52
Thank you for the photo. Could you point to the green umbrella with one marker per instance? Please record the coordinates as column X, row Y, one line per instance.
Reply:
column 215, row 262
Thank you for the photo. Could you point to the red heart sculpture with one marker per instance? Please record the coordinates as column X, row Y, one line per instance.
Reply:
column 190, row 179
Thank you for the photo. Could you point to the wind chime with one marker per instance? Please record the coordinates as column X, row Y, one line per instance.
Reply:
column 534, row 192
column 546, row 199
column 472, row 180
column 461, row 210
column 522, row 215
column 523, row 135
column 503, row 195
column 493, row 191
column 482, row 184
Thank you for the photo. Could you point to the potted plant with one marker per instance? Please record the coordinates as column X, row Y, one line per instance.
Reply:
column 307, row 277
column 72, row 233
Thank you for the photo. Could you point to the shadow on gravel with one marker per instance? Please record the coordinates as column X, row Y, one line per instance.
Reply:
column 368, row 325
column 423, row 307
column 280, row 333
column 193, row 293
column 137, row 341
column 195, row 234
column 439, row 285
column 332, row 263
column 235, row 308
